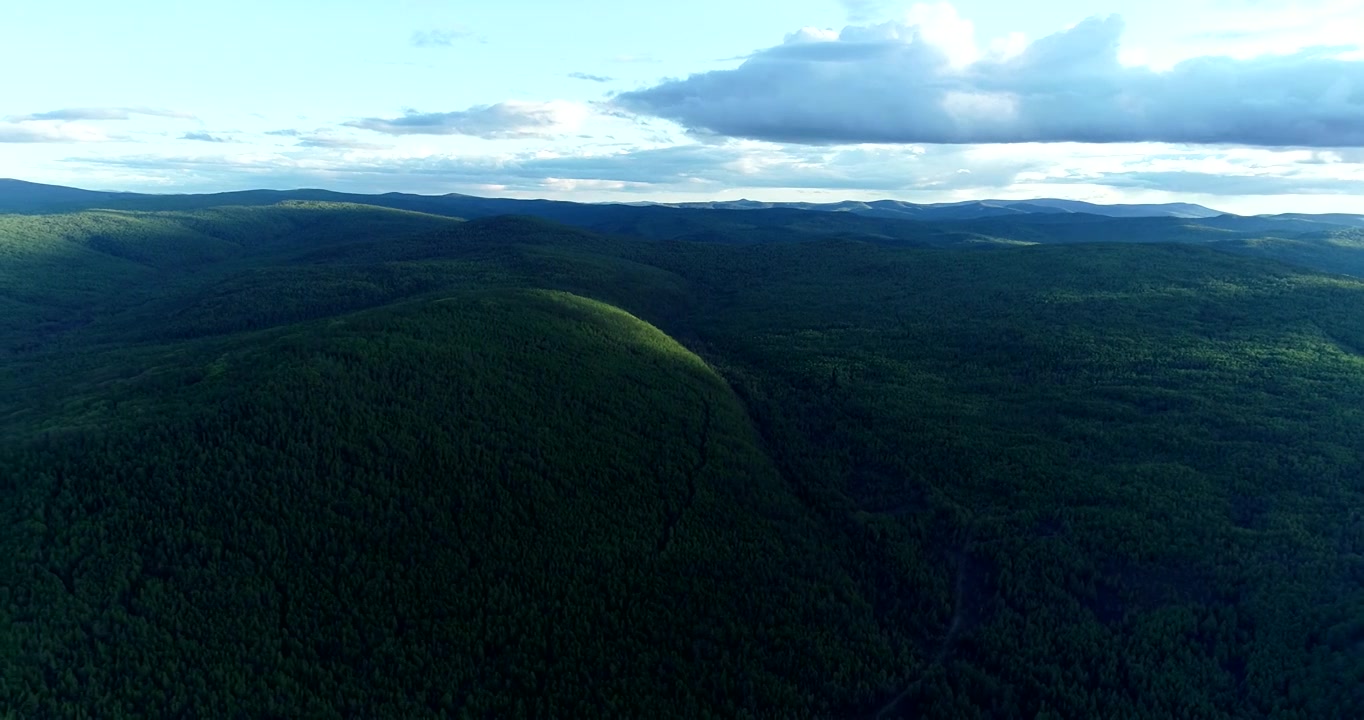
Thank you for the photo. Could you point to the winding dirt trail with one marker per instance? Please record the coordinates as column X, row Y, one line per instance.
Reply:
column 966, row 576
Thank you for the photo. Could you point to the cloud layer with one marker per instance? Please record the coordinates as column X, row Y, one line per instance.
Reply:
column 925, row 80
column 1129, row 172
column 32, row 133
column 511, row 119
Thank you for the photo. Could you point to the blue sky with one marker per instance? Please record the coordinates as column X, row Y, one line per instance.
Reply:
column 1245, row 105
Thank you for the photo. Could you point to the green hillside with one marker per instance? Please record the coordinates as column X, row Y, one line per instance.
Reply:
column 1338, row 251
column 60, row 272
column 334, row 461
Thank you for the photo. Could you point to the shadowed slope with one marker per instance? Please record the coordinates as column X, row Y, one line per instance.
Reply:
column 497, row 503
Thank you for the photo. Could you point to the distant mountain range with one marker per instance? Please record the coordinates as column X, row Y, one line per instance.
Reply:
column 1331, row 242
column 22, row 197
column 967, row 210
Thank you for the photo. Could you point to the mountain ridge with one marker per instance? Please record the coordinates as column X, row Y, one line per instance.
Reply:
column 1326, row 242
column 16, row 194
column 969, row 208
column 30, row 197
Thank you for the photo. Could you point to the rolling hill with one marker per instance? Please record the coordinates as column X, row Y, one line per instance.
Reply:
column 21, row 196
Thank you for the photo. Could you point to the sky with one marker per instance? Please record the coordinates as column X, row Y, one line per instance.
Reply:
column 1247, row 106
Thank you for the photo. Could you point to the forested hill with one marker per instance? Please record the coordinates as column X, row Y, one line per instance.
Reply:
column 338, row 460
column 1330, row 243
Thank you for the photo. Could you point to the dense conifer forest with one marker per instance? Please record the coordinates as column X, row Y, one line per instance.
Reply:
column 316, row 459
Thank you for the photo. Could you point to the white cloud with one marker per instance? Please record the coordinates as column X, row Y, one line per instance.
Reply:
column 103, row 113
column 590, row 77
column 863, row 10
column 938, row 24
column 336, row 142
column 924, row 80
column 50, row 132
column 1279, row 28
column 811, row 35
column 511, row 119
column 203, row 137
column 438, row 38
